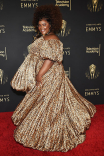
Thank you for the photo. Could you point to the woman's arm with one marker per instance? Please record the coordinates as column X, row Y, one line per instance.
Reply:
column 47, row 63
column 46, row 66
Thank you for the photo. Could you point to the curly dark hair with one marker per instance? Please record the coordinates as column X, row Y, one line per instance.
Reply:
column 51, row 13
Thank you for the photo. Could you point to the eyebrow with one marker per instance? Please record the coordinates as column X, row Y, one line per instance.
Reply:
column 42, row 24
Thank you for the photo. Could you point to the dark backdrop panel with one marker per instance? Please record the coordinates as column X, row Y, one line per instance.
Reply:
column 82, row 36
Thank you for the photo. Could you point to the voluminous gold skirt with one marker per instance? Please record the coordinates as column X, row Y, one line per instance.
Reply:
column 54, row 116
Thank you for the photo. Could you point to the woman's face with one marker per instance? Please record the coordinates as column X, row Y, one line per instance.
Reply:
column 44, row 27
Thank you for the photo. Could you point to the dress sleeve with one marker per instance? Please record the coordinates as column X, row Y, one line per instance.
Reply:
column 52, row 49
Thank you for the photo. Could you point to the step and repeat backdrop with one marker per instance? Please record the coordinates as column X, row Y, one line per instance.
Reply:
column 82, row 35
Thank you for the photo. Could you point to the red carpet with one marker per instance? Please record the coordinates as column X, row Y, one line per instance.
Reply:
column 93, row 145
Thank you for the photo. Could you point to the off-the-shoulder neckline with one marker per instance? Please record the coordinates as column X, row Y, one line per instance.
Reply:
column 52, row 39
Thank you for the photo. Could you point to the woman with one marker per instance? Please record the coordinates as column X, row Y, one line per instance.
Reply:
column 53, row 116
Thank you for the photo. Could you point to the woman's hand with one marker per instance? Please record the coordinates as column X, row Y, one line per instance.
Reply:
column 38, row 80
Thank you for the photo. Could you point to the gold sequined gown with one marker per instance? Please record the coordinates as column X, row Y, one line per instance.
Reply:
column 53, row 116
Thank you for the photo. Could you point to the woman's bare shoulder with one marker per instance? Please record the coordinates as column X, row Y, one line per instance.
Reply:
column 52, row 36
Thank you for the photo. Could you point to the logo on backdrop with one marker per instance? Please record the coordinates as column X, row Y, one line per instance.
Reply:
column 93, row 27
column 92, row 72
column 3, row 53
column 29, row 3
column 63, row 3
column 2, row 29
column 91, row 92
column 28, row 28
column 4, row 98
column 68, row 73
column 95, row 5
column 65, row 30
column 1, row 4
column 66, row 51
column 3, row 77
column 94, row 50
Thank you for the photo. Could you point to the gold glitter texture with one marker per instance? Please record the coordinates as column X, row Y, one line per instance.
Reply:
column 53, row 116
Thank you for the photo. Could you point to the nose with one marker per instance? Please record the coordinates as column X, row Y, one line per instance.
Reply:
column 41, row 26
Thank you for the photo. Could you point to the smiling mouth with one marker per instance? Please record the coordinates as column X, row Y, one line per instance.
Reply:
column 42, row 30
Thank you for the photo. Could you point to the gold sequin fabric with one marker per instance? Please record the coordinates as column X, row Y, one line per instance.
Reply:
column 53, row 116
